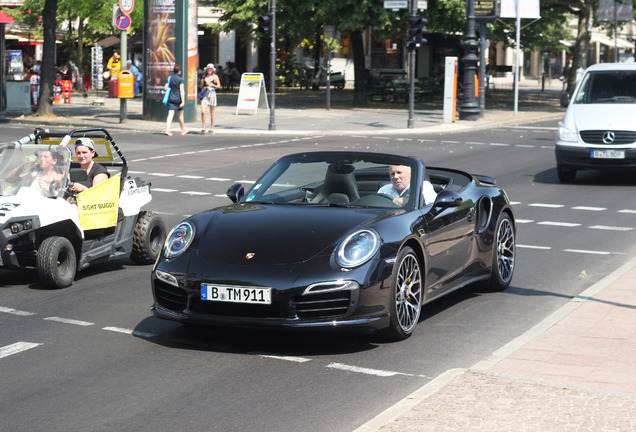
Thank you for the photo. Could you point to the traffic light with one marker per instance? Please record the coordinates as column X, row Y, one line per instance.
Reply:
column 265, row 24
column 416, row 31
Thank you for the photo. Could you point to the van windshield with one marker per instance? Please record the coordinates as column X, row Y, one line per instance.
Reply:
column 608, row 87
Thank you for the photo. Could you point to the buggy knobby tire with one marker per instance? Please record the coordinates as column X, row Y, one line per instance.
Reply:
column 56, row 262
column 148, row 238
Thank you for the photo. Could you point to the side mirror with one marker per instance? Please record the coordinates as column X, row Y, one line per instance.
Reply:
column 235, row 192
column 447, row 198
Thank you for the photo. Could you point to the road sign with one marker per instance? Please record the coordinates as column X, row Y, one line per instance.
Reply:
column 395, row 4
column 122, row 22
column 126, row 6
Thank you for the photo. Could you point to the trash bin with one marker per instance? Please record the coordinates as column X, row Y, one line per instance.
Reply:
column 125, row 84
column 112, row 88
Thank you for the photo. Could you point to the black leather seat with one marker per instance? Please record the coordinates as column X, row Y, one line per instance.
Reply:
column 339, row 185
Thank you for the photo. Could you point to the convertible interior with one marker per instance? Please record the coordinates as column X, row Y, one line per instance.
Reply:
column 347, row 184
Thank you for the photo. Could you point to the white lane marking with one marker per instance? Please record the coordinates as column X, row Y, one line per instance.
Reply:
column 218, row 179
column 522, row 246
column 515, row 202
column 220, row 196
column 195, row 193
column 627, row 211
column 524, row 145
column 138, row 160
column 367, row 371
column 591, row 252
column 427, row 140
column 15, row 311
column 537, row 128
column 546, row 205
column 69, row 321
column 190, row 177
column 547, row 147
column 589, row 208
column 450, row 142
column 156, row 157
column 281, row 357
column 611, row 228
column 161, row 174
column 136, row 172
column 173, row 155
column 499, row 144
column 154, row 189
column 475, row 143
column 524, row 221
column 129, row 332
column 560, row 224
column 16, row 348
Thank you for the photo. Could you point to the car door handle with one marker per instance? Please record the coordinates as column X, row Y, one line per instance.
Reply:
column 470, row 216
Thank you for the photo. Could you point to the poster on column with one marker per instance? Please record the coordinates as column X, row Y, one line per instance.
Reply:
column 160, row 45
column 193, row 51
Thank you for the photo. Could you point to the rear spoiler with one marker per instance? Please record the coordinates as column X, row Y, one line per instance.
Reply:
column 484, row 179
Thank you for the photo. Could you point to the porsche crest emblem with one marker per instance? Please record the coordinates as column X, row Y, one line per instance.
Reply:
column 250, row 255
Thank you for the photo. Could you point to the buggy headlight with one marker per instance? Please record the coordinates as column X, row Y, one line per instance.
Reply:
column 358, row 248
column 178, row 240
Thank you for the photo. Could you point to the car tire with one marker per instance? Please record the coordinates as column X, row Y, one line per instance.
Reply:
column 503, row 254
column 56, row 263
column 566, row 175
column 148, row 238
column 405, row 301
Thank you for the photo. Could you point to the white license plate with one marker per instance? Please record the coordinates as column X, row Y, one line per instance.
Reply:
column 236, row 294
column 608, row 154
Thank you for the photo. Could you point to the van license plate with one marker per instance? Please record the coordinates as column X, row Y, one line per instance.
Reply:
column 608, row 154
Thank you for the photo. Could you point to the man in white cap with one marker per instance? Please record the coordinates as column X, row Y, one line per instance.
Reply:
column 209, row 84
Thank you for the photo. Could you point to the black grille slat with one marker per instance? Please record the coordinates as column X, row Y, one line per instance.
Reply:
column 323, row 305
column 170, row 297
column 596, row 137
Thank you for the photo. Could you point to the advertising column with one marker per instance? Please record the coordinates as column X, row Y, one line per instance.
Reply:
column 170, row 37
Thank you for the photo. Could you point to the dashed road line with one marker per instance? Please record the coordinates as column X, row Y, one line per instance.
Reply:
column 15, row 311
column 545, row 205
column 16, row 348
column 589, row 208
column 130, row 332
column 627, row 211
column 294, row 359
column 69, row 321
column 522, row 246
column 367, row 371
column 590, row 252
column 611, row 228
column 559, row 224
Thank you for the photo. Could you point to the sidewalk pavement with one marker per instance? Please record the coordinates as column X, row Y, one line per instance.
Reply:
column 304, row 112
column 574, row 371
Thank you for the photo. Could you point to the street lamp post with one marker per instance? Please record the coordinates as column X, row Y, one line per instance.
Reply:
column 272, row 70
column 469, row 108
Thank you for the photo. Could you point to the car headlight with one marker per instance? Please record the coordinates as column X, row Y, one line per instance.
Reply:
column 567, row 135
column 358, row 248
column 178, row 240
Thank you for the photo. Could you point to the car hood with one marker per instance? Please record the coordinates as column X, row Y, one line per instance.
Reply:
column 276, row 234
column 610, row 116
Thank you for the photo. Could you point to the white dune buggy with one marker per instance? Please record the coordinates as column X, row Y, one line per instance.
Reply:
column 40, row 226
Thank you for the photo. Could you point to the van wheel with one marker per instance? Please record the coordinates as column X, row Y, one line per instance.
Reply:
column 566, row 175
column 56, row 262
column 148, row 238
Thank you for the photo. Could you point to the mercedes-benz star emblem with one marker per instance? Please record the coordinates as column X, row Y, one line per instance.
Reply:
column 250, row 255
column 609, row 137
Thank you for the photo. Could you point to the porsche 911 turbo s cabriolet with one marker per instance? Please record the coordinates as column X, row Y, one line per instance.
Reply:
column 344, row 240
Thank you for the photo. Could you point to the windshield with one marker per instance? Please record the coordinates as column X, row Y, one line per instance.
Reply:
column 42, row 168
column 336, row 181
column 608, row 87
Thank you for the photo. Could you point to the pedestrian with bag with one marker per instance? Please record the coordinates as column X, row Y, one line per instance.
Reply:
column 174, row 99
column 209, row 84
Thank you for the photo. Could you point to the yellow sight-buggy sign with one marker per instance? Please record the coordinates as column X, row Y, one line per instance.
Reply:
column 98, row 205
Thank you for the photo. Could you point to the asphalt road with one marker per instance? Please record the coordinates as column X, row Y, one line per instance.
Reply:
column 91, row 358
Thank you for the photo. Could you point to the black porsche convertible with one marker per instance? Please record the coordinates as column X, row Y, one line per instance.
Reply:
column 337, row 240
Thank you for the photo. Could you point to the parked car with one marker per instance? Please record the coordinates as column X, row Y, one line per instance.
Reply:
column 314, row 244
column 598, row 131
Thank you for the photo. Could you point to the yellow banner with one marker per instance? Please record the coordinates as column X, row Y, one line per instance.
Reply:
column 98, row 206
